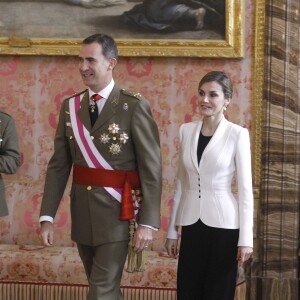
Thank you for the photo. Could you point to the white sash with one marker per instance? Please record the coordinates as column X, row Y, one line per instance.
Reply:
column 88, row 149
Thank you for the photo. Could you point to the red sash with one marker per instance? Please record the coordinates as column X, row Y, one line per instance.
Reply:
column 127, row 180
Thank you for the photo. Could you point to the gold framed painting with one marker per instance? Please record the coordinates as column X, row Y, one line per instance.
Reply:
column 41, row 27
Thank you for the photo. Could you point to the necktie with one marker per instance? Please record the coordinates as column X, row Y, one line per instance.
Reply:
column 94, row 108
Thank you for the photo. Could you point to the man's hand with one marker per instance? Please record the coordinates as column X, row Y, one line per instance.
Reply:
column 46, row 233
column 143, row 237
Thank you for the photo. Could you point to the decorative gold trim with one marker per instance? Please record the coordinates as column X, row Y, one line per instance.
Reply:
column 257, row 95
column 231, row 47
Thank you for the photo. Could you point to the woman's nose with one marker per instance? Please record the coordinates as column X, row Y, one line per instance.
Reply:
column 205, row 98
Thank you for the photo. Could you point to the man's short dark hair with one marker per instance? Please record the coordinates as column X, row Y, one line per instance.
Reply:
column 108, row 44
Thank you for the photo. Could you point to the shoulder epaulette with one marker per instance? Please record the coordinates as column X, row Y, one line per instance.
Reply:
column 132, row 94
column 76, row 94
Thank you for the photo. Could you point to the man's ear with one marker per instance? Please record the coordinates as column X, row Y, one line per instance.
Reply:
column 112, row 63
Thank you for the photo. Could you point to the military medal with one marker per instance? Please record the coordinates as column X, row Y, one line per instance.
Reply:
column 92, row 106
column 113, row 128
column 114, row 138
column 104, row 138
column 123, row 138
column 125, row 106
column 115, row 149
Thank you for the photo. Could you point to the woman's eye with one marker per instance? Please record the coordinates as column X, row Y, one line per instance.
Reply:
column 201, row 93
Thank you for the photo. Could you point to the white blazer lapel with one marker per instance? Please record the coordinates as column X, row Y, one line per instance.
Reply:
column 194, row 144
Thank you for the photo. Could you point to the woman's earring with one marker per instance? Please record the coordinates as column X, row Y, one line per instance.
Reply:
column 225, row 107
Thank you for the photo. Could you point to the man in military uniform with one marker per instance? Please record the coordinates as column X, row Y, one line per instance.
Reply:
column 9, row 154
column 111, row 154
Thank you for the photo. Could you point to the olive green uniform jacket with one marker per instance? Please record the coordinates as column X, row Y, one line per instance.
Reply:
column 9, row 154
column 94, row 211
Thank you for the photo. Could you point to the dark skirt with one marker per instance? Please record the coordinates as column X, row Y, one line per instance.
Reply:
column 207, row 266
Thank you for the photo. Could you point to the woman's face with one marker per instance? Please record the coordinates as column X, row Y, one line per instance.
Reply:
column 212, row 99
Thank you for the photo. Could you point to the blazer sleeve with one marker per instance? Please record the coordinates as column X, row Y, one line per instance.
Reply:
column 147, row 151
column 172, row 232
column 9, row 150
column 244, row 178
column 58, row 170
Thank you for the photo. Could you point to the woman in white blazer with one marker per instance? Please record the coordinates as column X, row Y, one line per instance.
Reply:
column 216, row 227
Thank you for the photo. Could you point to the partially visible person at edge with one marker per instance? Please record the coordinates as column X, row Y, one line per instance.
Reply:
column 120, row 149
column 9, row 154
column 216, row 228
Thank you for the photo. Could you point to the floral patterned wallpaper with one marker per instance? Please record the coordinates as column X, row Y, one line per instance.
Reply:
column 32, row 89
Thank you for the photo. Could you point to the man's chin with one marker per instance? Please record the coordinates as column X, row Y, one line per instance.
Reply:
column 86, row 81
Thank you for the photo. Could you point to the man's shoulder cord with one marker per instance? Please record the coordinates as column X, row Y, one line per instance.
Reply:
column 132, row 94
column 76, row 94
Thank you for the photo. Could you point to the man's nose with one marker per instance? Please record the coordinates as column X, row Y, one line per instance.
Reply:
column 83, row 65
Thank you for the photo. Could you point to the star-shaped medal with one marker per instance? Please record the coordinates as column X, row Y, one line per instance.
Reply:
column 113, row 128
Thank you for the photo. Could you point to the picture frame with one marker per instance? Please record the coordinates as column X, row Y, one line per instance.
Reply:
column 232, row 46
column 257, row 95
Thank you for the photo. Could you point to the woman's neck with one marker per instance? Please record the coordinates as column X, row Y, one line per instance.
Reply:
column 210, row 125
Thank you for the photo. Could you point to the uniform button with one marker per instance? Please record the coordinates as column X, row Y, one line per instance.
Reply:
column 89, row 188
column 92, row 137
column 71, row 137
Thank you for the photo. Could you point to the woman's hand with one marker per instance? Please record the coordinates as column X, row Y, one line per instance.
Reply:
column 244, row 253
column 172, row 247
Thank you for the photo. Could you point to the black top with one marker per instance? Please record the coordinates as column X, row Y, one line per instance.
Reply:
column 202, row 143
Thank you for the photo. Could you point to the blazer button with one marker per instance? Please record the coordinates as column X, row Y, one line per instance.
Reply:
column 89, row 188
column 92, row 137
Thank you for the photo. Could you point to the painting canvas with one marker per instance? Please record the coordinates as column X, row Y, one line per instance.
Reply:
column 207, row 28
